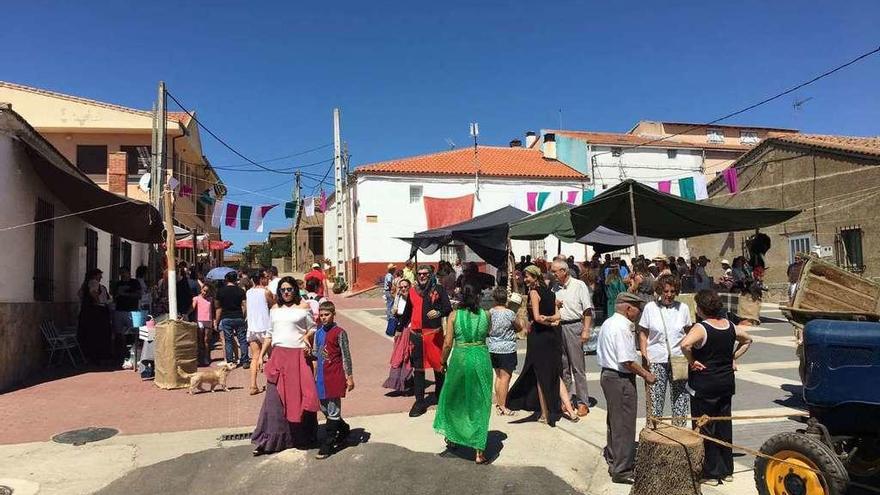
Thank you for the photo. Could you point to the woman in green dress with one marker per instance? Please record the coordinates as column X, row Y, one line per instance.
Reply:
column 613, row 286
column 466, row 398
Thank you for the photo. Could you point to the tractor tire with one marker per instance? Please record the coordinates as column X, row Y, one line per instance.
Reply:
column 796, row 477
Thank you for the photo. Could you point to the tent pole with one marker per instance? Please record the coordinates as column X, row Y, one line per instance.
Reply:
column 632, row 213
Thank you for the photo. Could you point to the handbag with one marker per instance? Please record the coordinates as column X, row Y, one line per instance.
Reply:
column 678, row 364
column 391, row 327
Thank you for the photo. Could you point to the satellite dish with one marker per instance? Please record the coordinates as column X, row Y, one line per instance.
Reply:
column 144, row 183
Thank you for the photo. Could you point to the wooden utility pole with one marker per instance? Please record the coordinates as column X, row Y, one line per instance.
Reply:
column 169, row 254
column 341, row 200
column 294, row 227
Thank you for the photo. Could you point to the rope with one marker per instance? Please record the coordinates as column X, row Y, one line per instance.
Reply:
column 708, row 419
column 756, row 453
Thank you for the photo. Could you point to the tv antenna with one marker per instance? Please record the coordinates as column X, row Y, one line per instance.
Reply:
column 798, row 104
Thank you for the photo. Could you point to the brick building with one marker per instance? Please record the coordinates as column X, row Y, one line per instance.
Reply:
column 835, row 180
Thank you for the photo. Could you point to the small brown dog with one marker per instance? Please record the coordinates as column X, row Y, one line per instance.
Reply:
column 214, row 378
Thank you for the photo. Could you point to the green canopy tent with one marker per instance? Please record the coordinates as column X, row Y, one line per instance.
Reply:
column 634, row 208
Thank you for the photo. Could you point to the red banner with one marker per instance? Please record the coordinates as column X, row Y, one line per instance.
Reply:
column 441, row 212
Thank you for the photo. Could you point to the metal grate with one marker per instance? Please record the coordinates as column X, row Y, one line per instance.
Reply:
column 235, row 437
column 84, row 435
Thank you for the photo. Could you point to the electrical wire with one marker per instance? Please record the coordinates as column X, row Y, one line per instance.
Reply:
column 288, row 169
column 752, row 106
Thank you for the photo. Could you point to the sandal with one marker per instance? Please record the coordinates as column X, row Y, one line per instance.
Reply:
column 255, row 391
column 571, row 417
column 499, row 410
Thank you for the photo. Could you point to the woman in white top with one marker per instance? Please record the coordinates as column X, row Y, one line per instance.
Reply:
column 663, row 325
column 288, row 417
column 259, row 300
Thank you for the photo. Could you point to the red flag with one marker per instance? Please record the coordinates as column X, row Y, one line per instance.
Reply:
column 323, row 201
column 231, row 215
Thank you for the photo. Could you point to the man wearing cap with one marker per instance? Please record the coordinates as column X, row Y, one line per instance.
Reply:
column 617, row 355
column 318, row 274
column 428, row 305
column 576, row 310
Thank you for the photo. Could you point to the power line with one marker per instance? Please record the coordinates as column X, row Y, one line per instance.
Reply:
column 754, row 105
column 289, row 169
column 285, row 157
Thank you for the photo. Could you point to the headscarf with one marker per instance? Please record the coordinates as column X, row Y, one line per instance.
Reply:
column 534, row 271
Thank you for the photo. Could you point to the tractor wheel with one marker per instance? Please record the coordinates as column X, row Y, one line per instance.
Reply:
column 797, row 476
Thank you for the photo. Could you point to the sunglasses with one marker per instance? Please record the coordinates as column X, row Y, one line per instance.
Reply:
column 424, row 274
column 286, row 289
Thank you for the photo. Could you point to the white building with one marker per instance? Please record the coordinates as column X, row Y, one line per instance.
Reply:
column 389, row 202
column 55, row 223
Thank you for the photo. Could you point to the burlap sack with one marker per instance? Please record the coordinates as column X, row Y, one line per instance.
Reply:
column 749, row 308
column 176, row 345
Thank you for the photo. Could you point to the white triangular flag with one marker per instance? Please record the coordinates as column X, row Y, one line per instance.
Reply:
column 310, row 207
column 259, row 215
column 173, row 183
column 700, row 191
column 217, row 215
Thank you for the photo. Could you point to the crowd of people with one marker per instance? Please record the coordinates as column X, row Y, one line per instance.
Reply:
column 643, row 331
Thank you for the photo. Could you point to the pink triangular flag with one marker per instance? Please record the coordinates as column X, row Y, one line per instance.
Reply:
column 572, row 197
column 532, row 201
column 323, row 204
column 731, row 179
column 665, row 186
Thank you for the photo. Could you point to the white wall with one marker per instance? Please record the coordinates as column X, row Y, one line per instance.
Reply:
column 19, row 189
column 388, row 199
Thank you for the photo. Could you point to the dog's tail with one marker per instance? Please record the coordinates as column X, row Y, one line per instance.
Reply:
column 184, row 374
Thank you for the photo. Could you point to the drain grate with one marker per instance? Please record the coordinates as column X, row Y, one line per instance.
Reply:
column 233, row 437
column 5, row 490
column 84, row 435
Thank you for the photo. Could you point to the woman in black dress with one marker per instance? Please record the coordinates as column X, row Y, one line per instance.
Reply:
column 712, row 348
column 537, row 388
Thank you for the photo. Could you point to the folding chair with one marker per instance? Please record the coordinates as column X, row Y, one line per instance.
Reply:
column 60, row 342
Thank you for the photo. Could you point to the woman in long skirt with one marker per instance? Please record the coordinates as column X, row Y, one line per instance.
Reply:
column 288, row 417
column 400, row 375
column 466, row 397
column 537, row 388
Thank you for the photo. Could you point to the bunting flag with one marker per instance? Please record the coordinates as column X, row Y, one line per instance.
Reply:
column 665, row 186
column 686, row 188
column 572, row 197
column 290, row 209
column 588, row 194
column 207, row 197
column 260, row 214
column 231, row 215
column 323, row 201
column 731, row 179
column 309, row 206
column 185, row 191
column 700, row 190
column 244, row 217
column 536, row 200
column 217, row 214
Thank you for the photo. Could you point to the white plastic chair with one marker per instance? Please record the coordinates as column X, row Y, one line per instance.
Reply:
column 60, row 342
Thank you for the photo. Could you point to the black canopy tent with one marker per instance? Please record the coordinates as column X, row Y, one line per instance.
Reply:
column 634, row 208
column 485, row 234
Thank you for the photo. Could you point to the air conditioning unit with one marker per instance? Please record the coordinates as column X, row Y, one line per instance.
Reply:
column 823, row 251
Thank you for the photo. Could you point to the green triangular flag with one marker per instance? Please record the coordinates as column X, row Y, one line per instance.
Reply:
column 244, row 217
column 542, row 198
column 588, row 195
column 686, row 188
column 290, row 209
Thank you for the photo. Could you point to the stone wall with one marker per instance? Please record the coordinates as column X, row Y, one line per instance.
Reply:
column 24, row 350
column 845, row 193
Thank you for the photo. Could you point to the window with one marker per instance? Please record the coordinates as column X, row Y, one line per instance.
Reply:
column 536, row 249
column 452, row 252
column 137, row 159
column 125, row 256
column 44, row 252
column 92, row 159
column 616, row 151
column 671, row 154
column 91, row 249
column 372, row 219
column 799, row 244
column 415, row 194
column 748, row 137
column 849, row 249
column 714, row 136
column 316, row 242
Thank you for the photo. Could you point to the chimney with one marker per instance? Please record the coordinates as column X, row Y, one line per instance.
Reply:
column 117, row 172
column 516, row 143
column 531, row 138
column 549, row 147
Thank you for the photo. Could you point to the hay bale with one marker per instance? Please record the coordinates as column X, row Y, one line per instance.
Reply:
column 669, row 461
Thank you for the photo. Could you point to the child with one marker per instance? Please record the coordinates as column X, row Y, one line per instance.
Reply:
column 333, row 376
column 502, row 347
column 203, row 304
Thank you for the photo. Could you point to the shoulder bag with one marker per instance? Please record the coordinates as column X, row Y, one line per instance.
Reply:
column 678, row 364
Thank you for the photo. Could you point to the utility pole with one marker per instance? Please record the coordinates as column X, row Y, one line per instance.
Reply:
column 475, row 133
column 341, row 202
column 294, row 227
column 158, row 178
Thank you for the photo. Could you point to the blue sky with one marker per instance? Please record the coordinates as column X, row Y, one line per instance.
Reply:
column 266, row 75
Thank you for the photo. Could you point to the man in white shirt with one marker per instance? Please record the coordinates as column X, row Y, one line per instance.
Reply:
column 662, row 327
column 576, row 309
column 273, row 280
column 619, row 360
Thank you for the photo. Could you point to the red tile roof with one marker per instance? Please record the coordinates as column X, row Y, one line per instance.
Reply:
column 494, row 161
column 621, row 139
column 180, row 117
column 866, row 145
